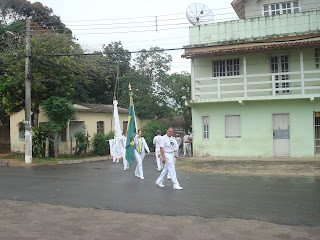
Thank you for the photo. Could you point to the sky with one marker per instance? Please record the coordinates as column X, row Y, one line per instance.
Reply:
column 138, row 24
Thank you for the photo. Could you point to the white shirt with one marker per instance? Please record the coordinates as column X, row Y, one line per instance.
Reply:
column 169, row 144
column 186, row 138
column 178, row 139
column 157, row 141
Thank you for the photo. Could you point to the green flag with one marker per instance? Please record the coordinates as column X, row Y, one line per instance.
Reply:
column 131, row 131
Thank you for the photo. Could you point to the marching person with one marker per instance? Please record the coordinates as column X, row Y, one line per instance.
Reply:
column 168, row 147
column 178, row 139
column 186, row 145
column 139, row 153
column 125, row 161
column 156, row 143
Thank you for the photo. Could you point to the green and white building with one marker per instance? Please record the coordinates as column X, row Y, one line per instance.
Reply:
column 256, row 81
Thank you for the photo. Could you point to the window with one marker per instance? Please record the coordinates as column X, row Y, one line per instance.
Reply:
column 21, row 130
column 317, row 57
column 100, row 127
column 125, row 126
column 280, row 64
column 205, row 124
column 228, row 67
column 281, row 8
column 232, row 126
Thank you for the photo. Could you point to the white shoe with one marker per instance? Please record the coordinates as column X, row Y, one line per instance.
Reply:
column 137, row 175
column 125, row 169
column 159, row 169
column 177, row 188
column 160, row 184
column 141, row 178
column 117, row 160
column 168, row 177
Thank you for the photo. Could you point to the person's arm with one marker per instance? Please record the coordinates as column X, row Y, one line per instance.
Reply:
column 146, row 145
column 163, row 156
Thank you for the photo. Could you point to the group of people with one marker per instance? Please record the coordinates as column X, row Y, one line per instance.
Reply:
column 166, row 151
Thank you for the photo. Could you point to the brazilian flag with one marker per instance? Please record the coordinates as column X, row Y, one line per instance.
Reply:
column 131, row 131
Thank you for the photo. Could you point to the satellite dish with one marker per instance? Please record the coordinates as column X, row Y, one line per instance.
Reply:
column 198, row 14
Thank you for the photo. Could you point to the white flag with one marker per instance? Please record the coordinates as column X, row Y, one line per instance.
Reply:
column 118, row 146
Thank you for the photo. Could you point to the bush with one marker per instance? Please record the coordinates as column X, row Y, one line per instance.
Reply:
column 39, row 135
column 149, row 131
column 83, row 142
column 100, row 143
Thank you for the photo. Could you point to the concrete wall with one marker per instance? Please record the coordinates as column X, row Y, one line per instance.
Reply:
column 251, row 29
column 256, row 128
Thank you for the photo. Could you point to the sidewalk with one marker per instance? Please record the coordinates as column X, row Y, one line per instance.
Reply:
column 27, row 220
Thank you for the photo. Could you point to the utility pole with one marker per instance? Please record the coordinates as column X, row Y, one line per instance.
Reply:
column 28, row 132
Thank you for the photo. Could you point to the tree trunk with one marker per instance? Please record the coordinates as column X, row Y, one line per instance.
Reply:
column 56, row 145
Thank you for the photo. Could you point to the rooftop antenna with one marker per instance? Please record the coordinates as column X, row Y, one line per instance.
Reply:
column 198, row 14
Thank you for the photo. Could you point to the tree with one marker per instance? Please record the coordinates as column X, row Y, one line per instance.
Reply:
column 102, row 71
column 180, row 84
column 59, row 111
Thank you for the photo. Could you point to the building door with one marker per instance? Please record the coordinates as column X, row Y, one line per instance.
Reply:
column 317, row 132
column 281, row 135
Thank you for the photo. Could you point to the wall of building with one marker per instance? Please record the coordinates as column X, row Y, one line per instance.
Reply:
column 257, row 63
column 253, row 8
column 256, row 126
column 17, row 144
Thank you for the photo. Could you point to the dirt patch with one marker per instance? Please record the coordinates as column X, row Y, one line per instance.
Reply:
column 251, row 167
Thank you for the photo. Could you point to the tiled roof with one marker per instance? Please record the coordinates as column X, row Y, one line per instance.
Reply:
column 98, row 108
column 251, row 47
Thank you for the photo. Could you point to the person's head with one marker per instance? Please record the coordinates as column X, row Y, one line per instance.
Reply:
column 158, row 132
column 139, row 133
column 177, row 135
column 185, row 133
column 170, row 132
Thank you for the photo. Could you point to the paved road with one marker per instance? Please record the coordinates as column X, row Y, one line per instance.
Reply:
column 104, row 185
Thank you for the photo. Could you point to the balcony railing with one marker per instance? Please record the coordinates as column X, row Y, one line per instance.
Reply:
column 257, row 86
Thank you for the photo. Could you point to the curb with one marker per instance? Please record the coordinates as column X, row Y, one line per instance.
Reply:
column 65, row 162
column 3, row 163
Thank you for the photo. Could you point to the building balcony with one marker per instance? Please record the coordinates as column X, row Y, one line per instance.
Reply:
column 279, row 26
column 255, row 87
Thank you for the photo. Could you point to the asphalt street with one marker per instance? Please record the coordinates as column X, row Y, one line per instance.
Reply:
column 104, row 185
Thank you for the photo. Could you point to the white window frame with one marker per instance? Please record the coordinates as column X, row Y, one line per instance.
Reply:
column 280, row 8
column 205, row 127
column 226, row 67
column 282, row 67
column 234, row 130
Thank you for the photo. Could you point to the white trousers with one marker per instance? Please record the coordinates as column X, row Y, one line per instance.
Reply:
column 125, row 161
column 158, row 159
column 169, row 167
column 139, row 158
column 186, row 148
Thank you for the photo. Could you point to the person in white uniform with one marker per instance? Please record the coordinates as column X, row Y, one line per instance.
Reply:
column 125, row 161
column 139, row 153
column 156, row 143
column 168, row 147
column 186, row 145
column 178, row 139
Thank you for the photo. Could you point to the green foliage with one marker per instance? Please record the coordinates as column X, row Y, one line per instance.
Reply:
column 180, row 84
column 82, row 139
column 59, row 111
column 149, row 131
column 39, row 135
column 100, row 143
